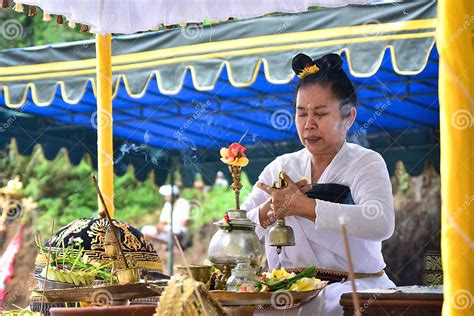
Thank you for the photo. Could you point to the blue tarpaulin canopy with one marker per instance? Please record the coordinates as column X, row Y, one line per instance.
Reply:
column 176, row 92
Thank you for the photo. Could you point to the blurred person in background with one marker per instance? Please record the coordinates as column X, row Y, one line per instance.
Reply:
column 221, row 181
column 180, row 218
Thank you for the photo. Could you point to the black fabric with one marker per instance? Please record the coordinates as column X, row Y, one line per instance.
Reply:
column 331, row 192
column 91, row 232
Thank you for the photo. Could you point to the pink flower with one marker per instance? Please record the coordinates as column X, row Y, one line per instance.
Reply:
column 226, row 220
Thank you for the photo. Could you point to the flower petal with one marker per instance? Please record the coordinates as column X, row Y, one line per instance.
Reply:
column 223, row 152
column 241, row 162
column 294, row 287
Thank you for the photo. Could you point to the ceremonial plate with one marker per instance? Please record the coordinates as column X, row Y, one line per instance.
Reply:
column 278, row 300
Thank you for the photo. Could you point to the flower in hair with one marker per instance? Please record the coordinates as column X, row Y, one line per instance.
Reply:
column 308, row 69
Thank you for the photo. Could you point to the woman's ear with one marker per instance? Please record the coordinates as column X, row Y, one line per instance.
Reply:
column 352, row 116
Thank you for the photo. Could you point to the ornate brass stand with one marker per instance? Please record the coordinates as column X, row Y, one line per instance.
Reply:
column 236, row 238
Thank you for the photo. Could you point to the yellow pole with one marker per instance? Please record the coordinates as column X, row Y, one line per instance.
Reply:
column 456, row 92
column 104, row 120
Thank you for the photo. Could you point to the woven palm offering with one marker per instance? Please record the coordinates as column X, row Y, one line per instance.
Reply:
column 186, row 297
column 79, row 262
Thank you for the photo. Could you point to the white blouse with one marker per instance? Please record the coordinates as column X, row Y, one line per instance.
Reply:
column 319, row 243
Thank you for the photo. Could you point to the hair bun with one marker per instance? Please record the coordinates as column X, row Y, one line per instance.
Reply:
column 300, row 61
column 303, row 65
column 330, row 61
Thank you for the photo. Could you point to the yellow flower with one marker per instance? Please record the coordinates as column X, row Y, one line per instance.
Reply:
column 305, row 284
column 308, row 71
column 280, row 273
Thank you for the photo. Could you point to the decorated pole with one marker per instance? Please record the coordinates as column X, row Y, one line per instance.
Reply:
column 456, row 96
column 104, row 121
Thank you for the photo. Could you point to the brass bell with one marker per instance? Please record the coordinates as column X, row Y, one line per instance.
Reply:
column 281, row 234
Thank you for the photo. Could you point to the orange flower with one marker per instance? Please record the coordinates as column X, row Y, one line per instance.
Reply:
column 234, row 155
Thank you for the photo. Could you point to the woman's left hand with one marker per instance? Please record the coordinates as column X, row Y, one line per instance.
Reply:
column 290, row 200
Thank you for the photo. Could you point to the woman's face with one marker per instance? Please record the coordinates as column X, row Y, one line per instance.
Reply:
column 319, row 122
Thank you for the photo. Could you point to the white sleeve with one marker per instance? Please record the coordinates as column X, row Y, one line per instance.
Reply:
column 257, row 197
column 373, row 217
column 184, row 209
column 165, row 215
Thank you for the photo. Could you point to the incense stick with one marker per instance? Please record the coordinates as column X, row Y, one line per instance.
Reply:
column 47, row 267
column 181, row 252
column 117, row 240
column 355, row 297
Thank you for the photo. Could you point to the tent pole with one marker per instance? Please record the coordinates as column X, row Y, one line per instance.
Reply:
column 104, row 120
column 171, row 237
column 456, row 96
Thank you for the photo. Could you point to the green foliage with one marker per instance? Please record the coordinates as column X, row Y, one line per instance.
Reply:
column 401, row 180
column 25, row 31
column 65, row 193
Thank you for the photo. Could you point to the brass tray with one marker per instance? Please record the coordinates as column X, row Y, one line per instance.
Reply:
column 277, row 300
column 105, row 293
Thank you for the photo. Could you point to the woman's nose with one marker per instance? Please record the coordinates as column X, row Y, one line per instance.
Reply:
column 311, row 123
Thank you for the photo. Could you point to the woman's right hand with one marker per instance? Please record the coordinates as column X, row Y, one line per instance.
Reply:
column 266, row 214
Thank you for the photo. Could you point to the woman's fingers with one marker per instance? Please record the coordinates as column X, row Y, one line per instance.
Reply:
column 301, row 183
column 282, row 200
column 273, row 216
column 278, row 208
column 288, row 179
column 305, row 188
column 265, row 187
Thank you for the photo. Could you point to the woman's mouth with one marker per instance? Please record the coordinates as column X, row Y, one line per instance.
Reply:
column 312, row 140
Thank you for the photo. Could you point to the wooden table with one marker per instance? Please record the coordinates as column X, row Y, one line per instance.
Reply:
column 398, row 303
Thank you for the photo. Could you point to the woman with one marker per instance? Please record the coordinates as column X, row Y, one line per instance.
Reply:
column 325, row 110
